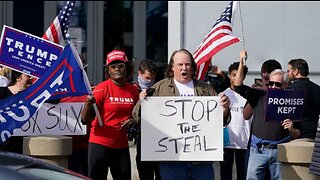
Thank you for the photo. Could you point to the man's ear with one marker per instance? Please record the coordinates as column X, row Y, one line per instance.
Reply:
column 296, row 72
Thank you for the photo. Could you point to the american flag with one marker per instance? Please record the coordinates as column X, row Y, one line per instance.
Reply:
column 219, row 37
column 59, row 27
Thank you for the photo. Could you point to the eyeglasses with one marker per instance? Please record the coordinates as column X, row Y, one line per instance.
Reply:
column 278, row 84
column 118, row 66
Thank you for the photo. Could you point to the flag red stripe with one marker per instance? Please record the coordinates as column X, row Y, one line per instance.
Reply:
column 45, row 36
column 73, row 89
column 54, row 33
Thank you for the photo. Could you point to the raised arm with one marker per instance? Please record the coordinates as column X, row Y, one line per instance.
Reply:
column 240, row 75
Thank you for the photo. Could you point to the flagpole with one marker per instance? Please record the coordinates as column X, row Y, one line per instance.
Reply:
column 86, row 79
column 242, row 34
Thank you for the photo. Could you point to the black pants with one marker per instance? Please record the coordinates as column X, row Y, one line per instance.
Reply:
column 148, row 170
column 226, row 166
column 100, row 158
column 78, row 161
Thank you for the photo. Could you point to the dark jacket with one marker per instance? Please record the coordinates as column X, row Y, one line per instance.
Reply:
column 311, row 112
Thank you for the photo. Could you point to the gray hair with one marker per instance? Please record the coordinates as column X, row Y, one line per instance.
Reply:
column 281, row 72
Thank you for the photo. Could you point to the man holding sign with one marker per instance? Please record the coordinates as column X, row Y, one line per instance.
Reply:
column 266, row 136
column 181, row 82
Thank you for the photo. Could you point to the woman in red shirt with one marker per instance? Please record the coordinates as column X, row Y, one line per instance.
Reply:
column 115, row 99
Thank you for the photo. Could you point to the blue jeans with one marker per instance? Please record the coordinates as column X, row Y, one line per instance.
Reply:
column 262, row 159
column 186, row 171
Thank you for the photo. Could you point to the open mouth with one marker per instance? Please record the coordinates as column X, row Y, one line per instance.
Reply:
column 117, row 73
column 184, row 74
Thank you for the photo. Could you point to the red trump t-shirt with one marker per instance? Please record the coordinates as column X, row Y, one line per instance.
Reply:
column 115, row 105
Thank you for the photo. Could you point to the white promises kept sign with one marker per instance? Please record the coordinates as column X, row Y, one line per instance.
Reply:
column 182, row 129
column 55, row 119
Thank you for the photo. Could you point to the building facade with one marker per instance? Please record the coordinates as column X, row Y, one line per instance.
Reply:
column 97, row 27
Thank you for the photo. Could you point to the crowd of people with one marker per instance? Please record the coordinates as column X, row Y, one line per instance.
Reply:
column 252, row 142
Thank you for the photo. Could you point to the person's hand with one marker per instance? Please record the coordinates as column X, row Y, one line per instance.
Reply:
column 243, row 56
column 287, row 124
column 259, row 86
column 215, row 70
column 126, row 123
column 225, row 102
column 143, row 94
column 90, row 100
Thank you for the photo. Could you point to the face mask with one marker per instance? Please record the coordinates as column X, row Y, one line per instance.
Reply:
column 143, row 83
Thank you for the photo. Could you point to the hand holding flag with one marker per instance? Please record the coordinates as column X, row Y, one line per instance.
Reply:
column 86, row 80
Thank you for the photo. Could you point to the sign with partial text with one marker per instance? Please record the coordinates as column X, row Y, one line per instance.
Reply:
column 55, row 119
column 27, row 53
column 285, row 104
column 182, row 128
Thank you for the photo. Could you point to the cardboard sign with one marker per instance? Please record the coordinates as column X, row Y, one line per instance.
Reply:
column 182, row 129
column 285, row 104
column 27, row 53
column 55, row 119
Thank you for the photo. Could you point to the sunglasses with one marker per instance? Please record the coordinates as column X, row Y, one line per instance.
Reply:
column 118, row 66
column 278, row 84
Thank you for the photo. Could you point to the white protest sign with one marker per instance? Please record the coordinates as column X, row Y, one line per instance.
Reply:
column 182, row 129
column 55, row 119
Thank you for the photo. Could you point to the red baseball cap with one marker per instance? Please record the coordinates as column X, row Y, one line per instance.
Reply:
column 116, row 55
